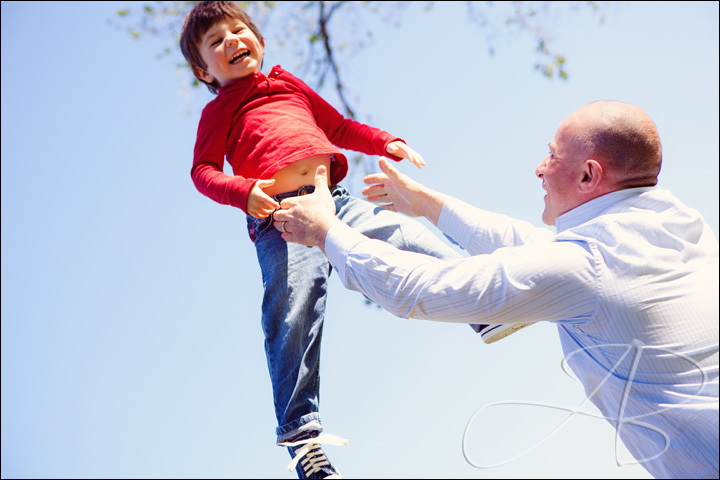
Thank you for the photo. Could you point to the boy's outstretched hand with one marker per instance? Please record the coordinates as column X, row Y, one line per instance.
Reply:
column 307, row 219
column 401, row 149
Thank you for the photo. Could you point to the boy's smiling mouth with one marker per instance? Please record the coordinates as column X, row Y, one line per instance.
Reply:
column 239, row 56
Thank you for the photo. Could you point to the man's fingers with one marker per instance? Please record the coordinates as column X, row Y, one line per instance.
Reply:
column 375, row 178
column 388, row 169
column 389, row 206
column 286, row 204
column 374, row 191
column 321, row 177
column 281, row 216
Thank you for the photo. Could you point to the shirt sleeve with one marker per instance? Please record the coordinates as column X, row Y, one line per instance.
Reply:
column 551, row 281
column 479, row 231
column 346, row 133
column 209, row 157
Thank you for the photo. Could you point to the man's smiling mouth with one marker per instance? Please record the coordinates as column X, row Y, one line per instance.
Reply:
column 239, row 56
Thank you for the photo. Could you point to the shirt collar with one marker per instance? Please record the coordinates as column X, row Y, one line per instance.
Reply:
column 595, row 207
column 243, row 83
column 241, row 87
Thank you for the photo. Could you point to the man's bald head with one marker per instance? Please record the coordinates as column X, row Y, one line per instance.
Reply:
column 624, row 139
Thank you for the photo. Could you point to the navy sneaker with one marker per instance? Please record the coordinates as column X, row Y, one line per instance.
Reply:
column 493, row 333
column 309, row 459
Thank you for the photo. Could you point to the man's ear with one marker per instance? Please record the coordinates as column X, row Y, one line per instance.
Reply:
column 592, row 176
column 203, row 75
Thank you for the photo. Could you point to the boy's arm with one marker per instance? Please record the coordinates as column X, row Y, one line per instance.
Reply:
column 209, row 156
column 349, row 134
column 212, row 182
column 237, row 191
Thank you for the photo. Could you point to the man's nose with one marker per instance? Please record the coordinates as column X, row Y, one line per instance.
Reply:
column 541, row 167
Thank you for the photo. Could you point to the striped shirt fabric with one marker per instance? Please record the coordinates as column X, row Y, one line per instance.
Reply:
column 629, row 278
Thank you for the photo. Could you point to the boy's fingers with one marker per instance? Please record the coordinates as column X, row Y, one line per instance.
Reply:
column 270, row 203
column 265, row 183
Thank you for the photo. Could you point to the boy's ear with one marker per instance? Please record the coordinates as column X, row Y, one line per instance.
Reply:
column 203, row 75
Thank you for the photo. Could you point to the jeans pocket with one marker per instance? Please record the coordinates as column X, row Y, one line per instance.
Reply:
column 257, row 227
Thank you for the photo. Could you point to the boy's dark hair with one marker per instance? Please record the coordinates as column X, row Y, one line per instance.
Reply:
column 200, row 19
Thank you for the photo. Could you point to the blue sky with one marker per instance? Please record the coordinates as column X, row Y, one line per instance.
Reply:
column 131, row 344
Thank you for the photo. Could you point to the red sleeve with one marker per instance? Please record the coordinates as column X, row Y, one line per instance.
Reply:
column 207, row 170
column 346, row 133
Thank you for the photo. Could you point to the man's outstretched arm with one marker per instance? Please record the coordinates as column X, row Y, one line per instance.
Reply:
column 400, row 193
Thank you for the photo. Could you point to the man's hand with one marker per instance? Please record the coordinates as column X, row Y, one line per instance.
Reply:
column 400, row 193
column 306, row 220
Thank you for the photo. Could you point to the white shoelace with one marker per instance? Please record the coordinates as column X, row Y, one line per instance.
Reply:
column 315, row 459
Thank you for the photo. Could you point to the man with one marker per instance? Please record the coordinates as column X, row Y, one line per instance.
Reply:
column 630, row 278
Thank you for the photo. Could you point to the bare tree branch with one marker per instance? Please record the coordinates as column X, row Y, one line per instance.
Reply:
column 164, row 19
column 323, row 24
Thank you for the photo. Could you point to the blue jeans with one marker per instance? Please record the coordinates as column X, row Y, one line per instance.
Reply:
column 295, row 279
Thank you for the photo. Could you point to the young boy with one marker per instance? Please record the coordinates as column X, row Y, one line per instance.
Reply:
column 275, row 131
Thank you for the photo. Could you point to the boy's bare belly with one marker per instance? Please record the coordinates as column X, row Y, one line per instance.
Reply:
column 297, row 174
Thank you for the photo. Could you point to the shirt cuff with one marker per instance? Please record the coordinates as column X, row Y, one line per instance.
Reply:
column 340, row 240
column 451, row 223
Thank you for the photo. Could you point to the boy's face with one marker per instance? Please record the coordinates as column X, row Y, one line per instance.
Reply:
column 231, row 51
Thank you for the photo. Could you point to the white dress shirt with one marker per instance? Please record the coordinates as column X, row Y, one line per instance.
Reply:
column 630, row 278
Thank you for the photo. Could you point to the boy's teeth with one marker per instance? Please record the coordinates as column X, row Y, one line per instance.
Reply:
column 239, row 57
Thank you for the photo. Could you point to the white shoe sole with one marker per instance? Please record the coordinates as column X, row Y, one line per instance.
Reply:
column 498, row 332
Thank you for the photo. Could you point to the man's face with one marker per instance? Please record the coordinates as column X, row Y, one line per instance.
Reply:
column 231, row 51
column 562, row 170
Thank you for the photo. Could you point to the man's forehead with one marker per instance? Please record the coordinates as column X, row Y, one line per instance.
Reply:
column 564, row 132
